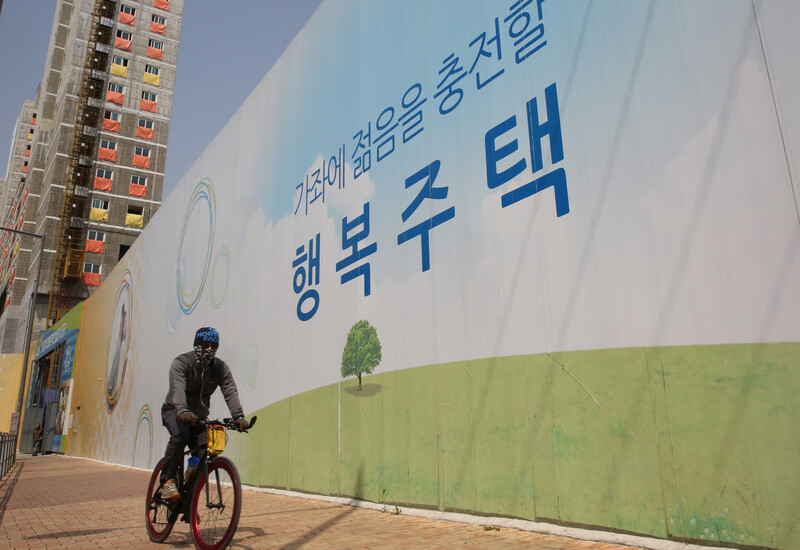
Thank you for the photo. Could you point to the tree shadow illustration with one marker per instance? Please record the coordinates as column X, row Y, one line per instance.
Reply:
column 367, row 390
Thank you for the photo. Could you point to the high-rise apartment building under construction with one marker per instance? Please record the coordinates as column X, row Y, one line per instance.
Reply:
column 86, row 166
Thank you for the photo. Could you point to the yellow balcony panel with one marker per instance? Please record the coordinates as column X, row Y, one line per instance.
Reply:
column 99, row 215
column 153, row 79
column 134, row 220
column 119, row 70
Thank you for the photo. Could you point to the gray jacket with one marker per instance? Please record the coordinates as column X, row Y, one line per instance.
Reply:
column 190, row 389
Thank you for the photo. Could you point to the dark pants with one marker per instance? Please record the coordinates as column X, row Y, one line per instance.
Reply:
column 180, row 435
column 37, row 447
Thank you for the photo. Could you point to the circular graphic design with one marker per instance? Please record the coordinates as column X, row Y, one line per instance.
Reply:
column 219, row 277
column 197, row 232
column 119, row 340
column 250, row 368
column 145, row 417
column 173, row 313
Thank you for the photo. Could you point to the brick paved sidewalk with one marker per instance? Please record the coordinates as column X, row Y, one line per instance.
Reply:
column 56, row 502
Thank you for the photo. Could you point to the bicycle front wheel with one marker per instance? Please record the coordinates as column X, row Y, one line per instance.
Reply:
column 158, row 513
column 216, row 505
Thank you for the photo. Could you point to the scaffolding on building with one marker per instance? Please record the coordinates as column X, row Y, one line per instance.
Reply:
column 70, row 249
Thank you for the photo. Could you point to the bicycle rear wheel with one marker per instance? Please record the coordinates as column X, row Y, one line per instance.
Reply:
column 158, row 513
column 216, row 505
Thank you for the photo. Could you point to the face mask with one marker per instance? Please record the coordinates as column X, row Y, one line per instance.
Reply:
column 204, row 356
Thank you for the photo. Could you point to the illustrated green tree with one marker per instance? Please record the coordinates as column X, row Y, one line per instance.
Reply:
column 362, row 352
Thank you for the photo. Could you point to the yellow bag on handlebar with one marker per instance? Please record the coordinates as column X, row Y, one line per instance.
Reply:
column 215, row 439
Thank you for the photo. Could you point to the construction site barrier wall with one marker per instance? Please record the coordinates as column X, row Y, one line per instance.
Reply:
column 528, row 259
column 10, row 373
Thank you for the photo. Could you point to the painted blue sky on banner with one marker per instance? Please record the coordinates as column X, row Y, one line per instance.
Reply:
column 533, row 169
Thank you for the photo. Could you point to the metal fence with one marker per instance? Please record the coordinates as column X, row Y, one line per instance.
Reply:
column 7, row 442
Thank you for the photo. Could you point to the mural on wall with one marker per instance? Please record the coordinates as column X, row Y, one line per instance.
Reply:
column 198, row 227
column 143, row 440
column 362, row 352
column 65, row 393
column 118, row 343
column 575, row 226
column 51, row 381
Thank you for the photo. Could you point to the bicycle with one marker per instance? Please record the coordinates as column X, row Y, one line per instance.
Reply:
column 210, row 498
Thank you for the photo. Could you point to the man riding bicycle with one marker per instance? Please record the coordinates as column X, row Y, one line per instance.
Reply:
column 193, row 377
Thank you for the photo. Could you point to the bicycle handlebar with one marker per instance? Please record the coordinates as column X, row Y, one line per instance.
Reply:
column 227, row 422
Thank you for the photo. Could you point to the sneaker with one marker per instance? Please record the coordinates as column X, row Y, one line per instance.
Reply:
column 169, row 491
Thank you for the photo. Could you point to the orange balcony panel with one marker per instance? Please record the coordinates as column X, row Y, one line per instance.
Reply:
column 107, row 154
column 111, row 125
column 144, row 133
column 159, row 28
column 141, row 161
column 137, row 190
column 91, row 279
column 115, row 97
column 96, row 247
column 103, row 184
column 147, row 105
column 122, row 44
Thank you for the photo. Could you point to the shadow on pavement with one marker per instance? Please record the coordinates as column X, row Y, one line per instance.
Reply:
column 241, row 543
column 7, row 486
column 69, row 534
column 317, row 531
column 314, row 533
column 282, row 512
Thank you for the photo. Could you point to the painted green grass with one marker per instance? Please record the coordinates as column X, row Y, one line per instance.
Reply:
column 698, row 442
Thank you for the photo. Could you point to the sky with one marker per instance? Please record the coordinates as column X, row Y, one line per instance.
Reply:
column 220, row 61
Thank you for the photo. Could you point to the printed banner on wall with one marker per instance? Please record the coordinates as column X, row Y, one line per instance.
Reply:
column 506, row 212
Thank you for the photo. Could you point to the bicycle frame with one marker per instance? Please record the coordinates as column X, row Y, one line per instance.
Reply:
column 187, row 485
column 205, row 460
